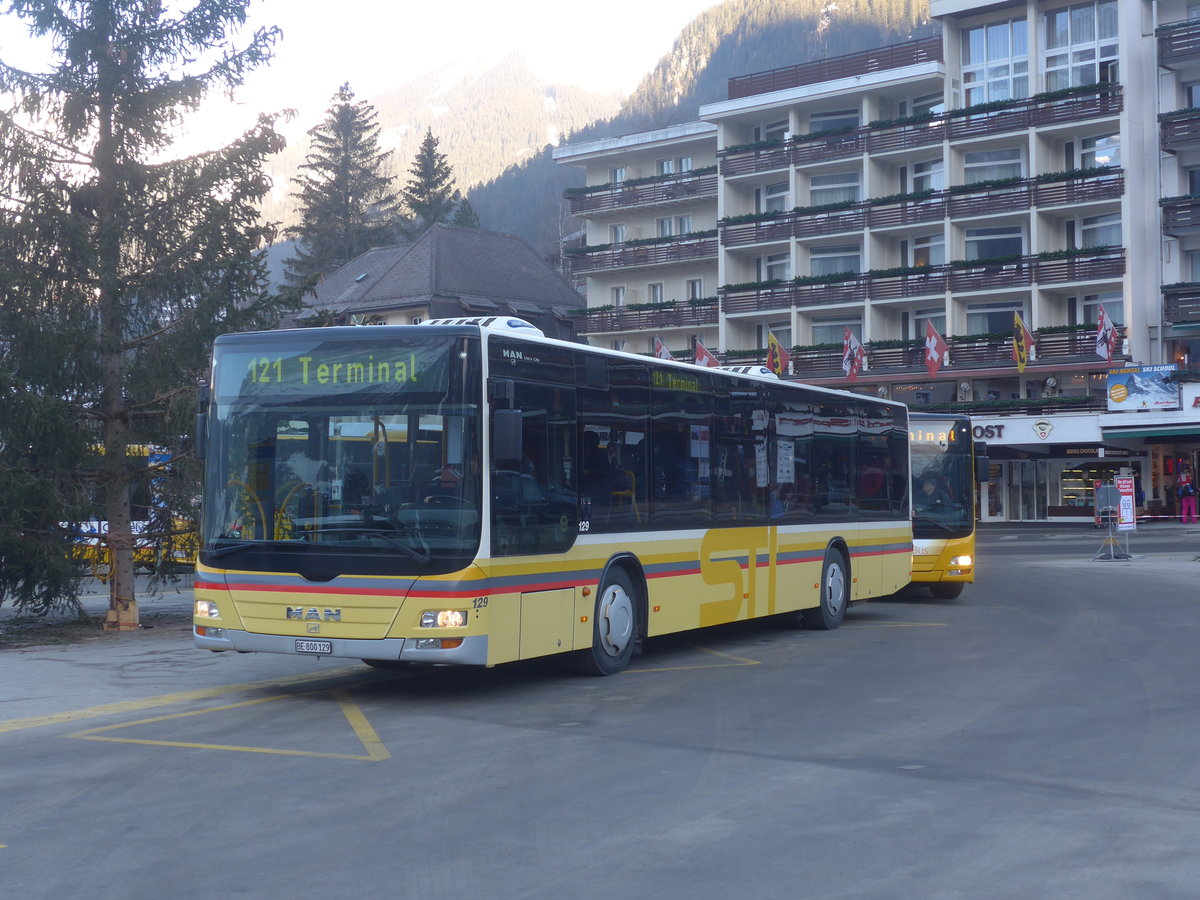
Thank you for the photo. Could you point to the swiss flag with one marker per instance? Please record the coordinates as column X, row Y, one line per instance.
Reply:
column 935, row 348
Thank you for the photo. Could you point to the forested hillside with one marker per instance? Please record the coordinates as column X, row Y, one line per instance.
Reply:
column 484, row 122
column 737, row 37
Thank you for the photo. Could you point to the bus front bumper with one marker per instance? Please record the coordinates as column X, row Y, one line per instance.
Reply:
column 471, row 652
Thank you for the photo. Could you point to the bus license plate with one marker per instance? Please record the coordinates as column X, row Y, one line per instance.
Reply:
column 314, row 646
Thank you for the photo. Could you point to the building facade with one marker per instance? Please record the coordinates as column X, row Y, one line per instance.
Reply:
column 1038, row 159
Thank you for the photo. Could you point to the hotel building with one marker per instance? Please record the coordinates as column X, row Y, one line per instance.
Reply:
column 1039, row 159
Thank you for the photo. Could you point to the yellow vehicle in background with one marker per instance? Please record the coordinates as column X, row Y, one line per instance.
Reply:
column 175, row 550
column 946, row 466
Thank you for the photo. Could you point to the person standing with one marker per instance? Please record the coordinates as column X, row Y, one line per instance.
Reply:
column 1186, row 491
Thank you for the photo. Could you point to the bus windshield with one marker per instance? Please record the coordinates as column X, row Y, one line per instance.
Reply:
column 346, row 455
column 943, row 478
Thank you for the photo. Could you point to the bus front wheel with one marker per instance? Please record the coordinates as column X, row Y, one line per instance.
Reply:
column 949, row 590
column 614, row 627
column 835, row 594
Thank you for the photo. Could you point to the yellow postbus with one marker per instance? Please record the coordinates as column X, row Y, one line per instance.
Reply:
column 946, row 466
column 468, row 491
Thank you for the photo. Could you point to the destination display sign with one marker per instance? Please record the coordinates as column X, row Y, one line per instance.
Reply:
column 330, row 369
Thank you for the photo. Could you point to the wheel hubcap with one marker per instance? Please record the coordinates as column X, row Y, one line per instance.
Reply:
column 835, row 590
column 614, row 620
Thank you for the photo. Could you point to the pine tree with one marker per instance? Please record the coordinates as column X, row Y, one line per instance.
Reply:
column 430, row 194
column 464, row 216
column 118, row 266
column 347, row 202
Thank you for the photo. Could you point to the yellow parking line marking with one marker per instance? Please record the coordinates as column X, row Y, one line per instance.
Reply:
column 108, row 709
column 354, row 716
column 738, row 661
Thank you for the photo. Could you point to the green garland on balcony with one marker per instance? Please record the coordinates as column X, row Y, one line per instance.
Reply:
column 634, row 182
column 643, row 242
column 994, row 105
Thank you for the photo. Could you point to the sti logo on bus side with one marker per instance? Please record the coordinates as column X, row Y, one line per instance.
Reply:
column 314, row 614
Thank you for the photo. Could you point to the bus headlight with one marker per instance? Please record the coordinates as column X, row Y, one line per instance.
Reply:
column 207, row 609
column 444, row 618
column 964, row 561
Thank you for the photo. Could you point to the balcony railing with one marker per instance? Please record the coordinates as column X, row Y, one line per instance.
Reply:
column 1178, row 42
column 1181, row 303
column 624, row 256
column 1179, row 130
column 932, row 281
column 619, row 196
column 682, row 315
column 1180, row 215
column 1098, row 101
column 966, row 353
column 1029, row 193
column 894, row 57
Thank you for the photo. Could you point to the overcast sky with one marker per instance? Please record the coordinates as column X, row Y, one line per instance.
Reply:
column 374, row 45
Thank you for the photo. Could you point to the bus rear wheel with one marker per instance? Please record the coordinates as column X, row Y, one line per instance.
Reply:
column 835, row 594
column 614, row 627
column 949, row 590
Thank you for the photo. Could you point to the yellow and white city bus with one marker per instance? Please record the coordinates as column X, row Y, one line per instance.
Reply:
column 946, row 466
column 468, row 491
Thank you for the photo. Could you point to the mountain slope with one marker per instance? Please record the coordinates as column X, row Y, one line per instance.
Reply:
column 737, row 37
column 484, row 122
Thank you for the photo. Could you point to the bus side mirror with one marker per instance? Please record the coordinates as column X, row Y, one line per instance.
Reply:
column 506, row 435
column 200, row 438
column 982, row 463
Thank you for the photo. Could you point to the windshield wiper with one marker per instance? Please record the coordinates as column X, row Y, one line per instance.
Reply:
column 231, row 549
column 377, row 531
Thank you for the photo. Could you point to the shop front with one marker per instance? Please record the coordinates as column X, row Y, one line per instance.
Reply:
column 1044, row 468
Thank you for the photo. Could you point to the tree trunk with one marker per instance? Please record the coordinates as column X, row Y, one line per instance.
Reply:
column 122, row 602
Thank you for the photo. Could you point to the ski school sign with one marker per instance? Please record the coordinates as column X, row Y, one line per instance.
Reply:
column 1142, row 387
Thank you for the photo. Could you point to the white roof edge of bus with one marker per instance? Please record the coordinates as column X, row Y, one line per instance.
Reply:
column 513, row 324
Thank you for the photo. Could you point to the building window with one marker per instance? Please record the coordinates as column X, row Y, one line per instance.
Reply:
column 1193, row 180
column 617, row 295
column 835, row 120
column 1193, row 266
column 929, row 176
column 1080, row 45
column 776, row 266
column 987, row 165
column 995, row 62
column 993, row 318
column 683, row 164
column 840, row 187
column 1113, row 303
column 1192, row 96
column 664, row 227
column 655, row 292
column 695, row 288
column 683, row 224
column 836, row 260
column 935, row 314
column 773, row 197
column 616, row 234
column 994, row 243
column 833, row 330
column 772, row 131
column 782, row 332
column 617, row 175
column 930, row 104
column 666, row 166
column 1104, row 150
column 1100, row 231
column 929, row 250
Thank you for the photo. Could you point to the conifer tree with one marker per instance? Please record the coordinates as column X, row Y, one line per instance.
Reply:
column 118, row 265
column 430, row 194
column 465, row 216
column 347, row 204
